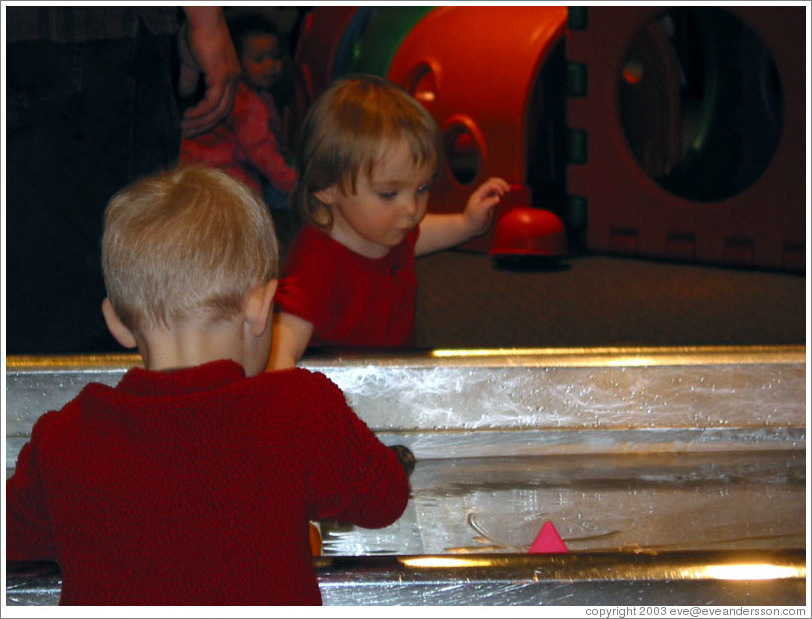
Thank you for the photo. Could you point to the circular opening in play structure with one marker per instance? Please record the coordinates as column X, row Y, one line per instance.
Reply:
column 464, row 155
column 701, row 103
column 424, row 88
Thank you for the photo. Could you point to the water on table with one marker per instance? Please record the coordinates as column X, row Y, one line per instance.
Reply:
column 679, row 501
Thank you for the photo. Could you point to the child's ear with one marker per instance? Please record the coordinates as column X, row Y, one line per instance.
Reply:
column 259, row 306
column 122, row 334
column 326, row 196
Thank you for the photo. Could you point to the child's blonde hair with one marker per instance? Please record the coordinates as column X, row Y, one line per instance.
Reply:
column 346, row 131
column 186, row 244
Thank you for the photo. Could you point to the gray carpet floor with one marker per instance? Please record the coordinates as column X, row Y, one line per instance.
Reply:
column 468, row 300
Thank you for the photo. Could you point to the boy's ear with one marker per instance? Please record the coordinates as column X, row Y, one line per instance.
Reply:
column 259, row 306
column 122, row 334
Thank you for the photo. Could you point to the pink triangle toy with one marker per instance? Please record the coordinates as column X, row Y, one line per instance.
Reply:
column 548, row 541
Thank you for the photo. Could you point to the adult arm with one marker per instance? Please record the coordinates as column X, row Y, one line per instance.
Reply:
column 205, row 46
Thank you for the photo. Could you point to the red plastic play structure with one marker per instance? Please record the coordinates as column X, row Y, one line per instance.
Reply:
column 644, row 131
column 734, row 191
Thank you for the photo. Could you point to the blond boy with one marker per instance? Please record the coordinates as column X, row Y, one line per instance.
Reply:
column 194, row 479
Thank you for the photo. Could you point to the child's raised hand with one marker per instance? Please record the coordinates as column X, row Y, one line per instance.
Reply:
column 479, row 209
column 440, row 231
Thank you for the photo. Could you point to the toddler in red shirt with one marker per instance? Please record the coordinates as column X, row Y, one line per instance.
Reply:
column 368, row 153
column 193, row 481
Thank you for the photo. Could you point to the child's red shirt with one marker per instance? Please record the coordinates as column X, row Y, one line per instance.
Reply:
column 351, row 300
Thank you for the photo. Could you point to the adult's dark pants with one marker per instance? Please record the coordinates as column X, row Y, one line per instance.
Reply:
column 83, row 120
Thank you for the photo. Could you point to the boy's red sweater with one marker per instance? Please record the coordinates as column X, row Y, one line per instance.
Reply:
column 195, row 487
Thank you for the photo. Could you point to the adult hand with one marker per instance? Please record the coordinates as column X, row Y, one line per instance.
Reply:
column 205, row 45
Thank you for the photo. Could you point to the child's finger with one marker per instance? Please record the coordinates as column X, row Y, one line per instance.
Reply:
column 501, row 186
column 496, row 186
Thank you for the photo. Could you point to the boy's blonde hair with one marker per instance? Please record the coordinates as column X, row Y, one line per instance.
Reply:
column 346, row 131
column 185, row 245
